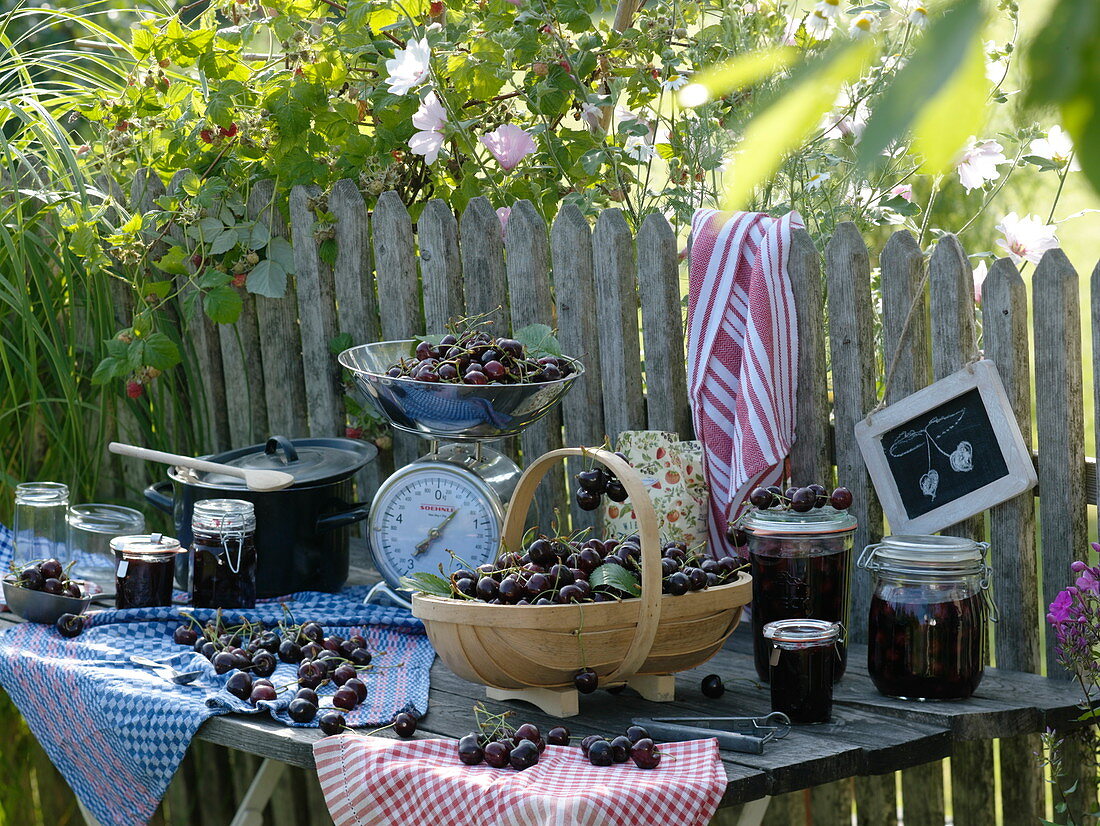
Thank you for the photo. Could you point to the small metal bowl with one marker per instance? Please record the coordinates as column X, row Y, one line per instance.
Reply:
column 38, row 606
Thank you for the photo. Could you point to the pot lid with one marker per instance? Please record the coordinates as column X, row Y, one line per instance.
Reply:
column 309, row 461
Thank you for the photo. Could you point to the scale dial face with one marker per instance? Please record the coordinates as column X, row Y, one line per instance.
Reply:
column 428, row 509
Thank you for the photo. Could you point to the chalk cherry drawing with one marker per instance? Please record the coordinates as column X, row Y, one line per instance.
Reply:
column 961, row 458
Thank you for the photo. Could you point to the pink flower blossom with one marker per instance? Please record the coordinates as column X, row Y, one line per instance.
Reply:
column 409, row 67
column 980, row 272
column 430, row 119
column 509, row 145
column 979, row 163
column 1027, row 238
column 503, row 214
column 903, row 191
column 1088, row 581
column 1060, row 609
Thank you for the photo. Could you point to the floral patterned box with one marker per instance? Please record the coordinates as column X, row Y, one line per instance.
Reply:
column 673, row 472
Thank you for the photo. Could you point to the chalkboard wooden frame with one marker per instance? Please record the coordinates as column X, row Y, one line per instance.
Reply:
column 982, row 376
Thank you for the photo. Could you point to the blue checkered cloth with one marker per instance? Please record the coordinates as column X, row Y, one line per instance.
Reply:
column 118, row 732
column 7, row 547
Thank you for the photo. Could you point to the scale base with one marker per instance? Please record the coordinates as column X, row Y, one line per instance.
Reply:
column 383, row 594
column 565, row 702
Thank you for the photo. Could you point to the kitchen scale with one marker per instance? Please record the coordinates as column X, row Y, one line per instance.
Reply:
column 453, row 499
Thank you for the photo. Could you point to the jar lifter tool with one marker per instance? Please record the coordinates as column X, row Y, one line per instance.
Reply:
column 744, row 734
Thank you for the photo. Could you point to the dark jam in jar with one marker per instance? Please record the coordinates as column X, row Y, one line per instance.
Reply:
column 927, row 624
column 926, row 650
column 144, row 571
column 801, row 568
column 803, row 659
column 223, row 554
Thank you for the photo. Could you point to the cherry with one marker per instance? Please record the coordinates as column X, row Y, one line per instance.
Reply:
column 536, row 585
column 185, row 635
column 262, row 692
column 524, row 755
column 620, row 748
column 312, row 632
column 332, row 643
column 495, row 370
column 307, row 694
column 586, row 681
column 404, row 724
column 239, row 685
column 615, row 491
column 561, row 575
column 558, row 736
column 790, row 492
column 587, row 500
column 713, row 687
column 822, row 495
column 527, row 731
column 310, row 651
column 697, row 577
column 73, row 590
column 487, row 588
column 600, row 753
column 469, row 751
column 587, row 742
column 51, row 569
column 357, row 641
column 424, row 350
column 475, row 377
column 224, row 662
column 841, row 499
column 803, row 500
column 645, row 754
column 359, row 687
column 310, row 674
column 69, row 625
column 345, row 698
column 301, row 710
column 572, row 593
column 290, row 651
column 498, row 753
column 510, row 590
column 592, row 480
column 209, row 650
column 31, row 578
column 636, row 733
column 678, row 583
column 360, row 657
column 589, row 560
column 332, row 722
column 269, row 641
column 53, row 585
column 264, row 663
column 343, row 673
column 761, row 498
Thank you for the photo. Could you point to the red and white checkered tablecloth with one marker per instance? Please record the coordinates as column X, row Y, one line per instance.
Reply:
column 372, row 781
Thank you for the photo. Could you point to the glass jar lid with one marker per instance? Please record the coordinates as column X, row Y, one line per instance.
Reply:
column 777, row 521
column 222, row 515
column 915, row 554
column 112, row 519
column 41, row 494
column 151, row 547
column 802, row 633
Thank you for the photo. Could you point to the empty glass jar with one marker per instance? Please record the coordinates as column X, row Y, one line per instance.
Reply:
column 145, row 569
column 91, row 529
column 927, row 625
column 223, row 554
column 801, row 569
column 40, row 531
column 803, row 656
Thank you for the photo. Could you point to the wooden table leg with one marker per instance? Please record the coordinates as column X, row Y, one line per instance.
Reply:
column 251, row 811
column 89, row 818
column 752, row 813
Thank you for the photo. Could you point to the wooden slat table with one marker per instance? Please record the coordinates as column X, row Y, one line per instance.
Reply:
column 870, row 734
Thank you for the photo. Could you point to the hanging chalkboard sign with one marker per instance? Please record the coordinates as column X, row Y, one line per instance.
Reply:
column 947, row 452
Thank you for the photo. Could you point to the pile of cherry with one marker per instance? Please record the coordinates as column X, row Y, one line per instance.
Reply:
column 595, row 483
column 501, row 747
column 255, row 651
column 561, row 570
column 49, row 576
column 472, row 356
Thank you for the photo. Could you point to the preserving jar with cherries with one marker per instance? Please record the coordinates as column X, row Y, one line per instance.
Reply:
column 929, row 605
column 223, row 554
column 801, row 569
column 803, row 658
column 145, row 565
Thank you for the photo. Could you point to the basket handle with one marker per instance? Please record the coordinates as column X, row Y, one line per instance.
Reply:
column 650, row 612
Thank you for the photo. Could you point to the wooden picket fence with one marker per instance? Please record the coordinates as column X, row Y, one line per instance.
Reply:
column 275, row 373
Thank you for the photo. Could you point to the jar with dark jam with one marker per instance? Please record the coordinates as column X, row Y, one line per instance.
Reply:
column 927, row 626
column 223, row 554
column 145, row 565
column 801, row 569
column 803, row 657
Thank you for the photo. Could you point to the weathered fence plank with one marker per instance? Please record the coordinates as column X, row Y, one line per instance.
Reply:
column 482, row 245
column 810, row 454
column 907, row 364
column 617, row 312
column 578, row 335
column 851, row 340
column 1012, row 534
column 242, row 364
column 528, row 269
column 440, row 266
column 280, row 339
column 662, row 328
column 398, row 291
column 317, row 317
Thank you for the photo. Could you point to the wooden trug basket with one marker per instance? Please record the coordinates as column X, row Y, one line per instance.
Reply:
column 531, row 652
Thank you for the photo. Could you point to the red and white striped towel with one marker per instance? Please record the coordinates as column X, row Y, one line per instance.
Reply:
column 372, row 781
column 742, row 354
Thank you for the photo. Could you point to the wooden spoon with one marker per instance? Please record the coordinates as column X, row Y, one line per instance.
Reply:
column 258, row 480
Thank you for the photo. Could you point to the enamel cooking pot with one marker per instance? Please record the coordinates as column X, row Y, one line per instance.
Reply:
column 303, row 531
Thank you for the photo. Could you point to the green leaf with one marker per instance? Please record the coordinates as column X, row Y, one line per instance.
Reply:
column 539, row 340
column 106, row 370
column 615, row 576
column 223, row 305
column 939, row 93
column 901, row 206
column 117, row 349
column 258, row 236
column 785, row 124
column 430, row 584
column 161, row 352
column 223, row 241
column 1060, row 52
column 173, row 262
column 742, row 71
column 327, row 251
column 340, row 343
column 267, row 278
column 281, row 252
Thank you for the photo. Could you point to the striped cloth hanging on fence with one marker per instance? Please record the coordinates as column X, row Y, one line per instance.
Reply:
column 742, row 354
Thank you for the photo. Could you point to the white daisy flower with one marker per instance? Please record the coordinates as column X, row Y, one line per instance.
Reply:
column 408, row 67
